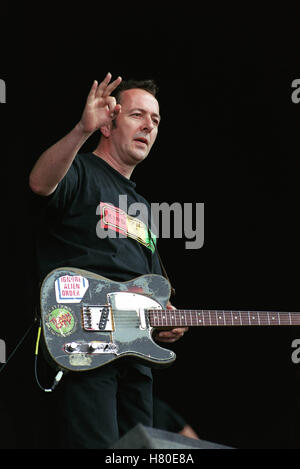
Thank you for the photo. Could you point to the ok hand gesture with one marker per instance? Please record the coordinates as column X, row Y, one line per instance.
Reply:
column 100, row 108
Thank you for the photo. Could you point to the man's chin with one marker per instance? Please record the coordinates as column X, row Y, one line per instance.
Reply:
column 138, row 157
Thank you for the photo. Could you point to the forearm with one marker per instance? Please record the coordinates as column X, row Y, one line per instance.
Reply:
column 54, row 163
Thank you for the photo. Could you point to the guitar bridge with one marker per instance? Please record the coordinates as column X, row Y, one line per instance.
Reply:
column 97, row 318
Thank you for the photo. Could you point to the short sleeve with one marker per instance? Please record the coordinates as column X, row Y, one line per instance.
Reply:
column 61, row 197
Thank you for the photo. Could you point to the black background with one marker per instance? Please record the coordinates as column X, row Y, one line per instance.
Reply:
column 228, row 138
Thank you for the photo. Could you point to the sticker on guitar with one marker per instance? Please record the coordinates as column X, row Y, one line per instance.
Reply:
column 60, row 321
column 70, row 288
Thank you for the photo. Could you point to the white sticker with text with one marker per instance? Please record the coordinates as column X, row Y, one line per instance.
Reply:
column 70, row 288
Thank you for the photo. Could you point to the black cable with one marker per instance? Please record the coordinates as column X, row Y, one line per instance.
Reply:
column 60, row 373
column 17, row 346
column 58, row 376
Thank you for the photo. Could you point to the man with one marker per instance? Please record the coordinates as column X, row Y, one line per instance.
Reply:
column 97, row 407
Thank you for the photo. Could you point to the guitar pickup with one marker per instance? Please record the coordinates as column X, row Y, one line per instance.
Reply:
column 97, row 318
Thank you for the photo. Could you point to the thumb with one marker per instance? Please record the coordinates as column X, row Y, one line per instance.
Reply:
column 116, row 111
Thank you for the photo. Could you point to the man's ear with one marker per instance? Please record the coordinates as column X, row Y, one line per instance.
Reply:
column 106, row 130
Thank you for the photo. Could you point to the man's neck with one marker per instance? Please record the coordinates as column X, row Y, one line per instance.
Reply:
column 116, row 163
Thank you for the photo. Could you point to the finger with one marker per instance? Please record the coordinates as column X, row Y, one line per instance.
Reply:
column 116, row 111
column 170, row 335
column 92, row 91
column 167, row 339
column 103, row 85
column 113, row 108
column 112, row 86
column 111, row 103
column 180, row 330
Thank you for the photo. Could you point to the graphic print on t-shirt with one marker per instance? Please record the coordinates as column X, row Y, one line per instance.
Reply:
column 115, row 219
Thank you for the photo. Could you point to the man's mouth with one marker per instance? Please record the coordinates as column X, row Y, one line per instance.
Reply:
column 142, row 140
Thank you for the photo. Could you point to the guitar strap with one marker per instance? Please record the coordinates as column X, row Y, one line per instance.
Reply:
column 165, row 272
column 162, row 265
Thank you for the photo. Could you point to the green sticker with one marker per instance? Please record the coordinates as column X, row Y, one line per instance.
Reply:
column 61, row 321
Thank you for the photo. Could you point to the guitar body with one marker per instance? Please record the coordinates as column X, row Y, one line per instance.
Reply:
column 89, row 321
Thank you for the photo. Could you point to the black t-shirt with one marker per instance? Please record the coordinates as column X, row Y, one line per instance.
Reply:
column 90, row 222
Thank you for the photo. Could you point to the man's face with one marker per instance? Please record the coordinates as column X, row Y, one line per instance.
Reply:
column 136, row 126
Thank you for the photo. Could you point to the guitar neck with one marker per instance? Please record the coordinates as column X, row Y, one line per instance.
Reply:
column 183, row 318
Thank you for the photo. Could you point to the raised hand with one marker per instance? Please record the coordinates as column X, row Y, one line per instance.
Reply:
column 100, row 108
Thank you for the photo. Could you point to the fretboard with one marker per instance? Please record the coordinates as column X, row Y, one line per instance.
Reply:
column 182, row 318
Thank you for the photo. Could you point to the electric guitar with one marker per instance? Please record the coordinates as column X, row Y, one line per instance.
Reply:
column 89, row 321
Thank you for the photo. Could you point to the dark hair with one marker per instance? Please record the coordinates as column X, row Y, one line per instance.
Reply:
column 147, row 85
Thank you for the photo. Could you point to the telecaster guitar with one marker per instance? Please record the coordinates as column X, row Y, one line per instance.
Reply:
column 89, row 321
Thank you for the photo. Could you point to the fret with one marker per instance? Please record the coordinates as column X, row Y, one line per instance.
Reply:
column 274, row 319
column 176, row 318
column 236, row 318
column 204, row 316
column 228, row 318
column 245, row 318
column 203, row 320
column 221, row 318
column 209, row 318
column 180, row 318
column 242, row 318
column 155, row 319
column 215, row 317
column 200, row 318
column 164, row 318
column 253, row 318
column 284, row 319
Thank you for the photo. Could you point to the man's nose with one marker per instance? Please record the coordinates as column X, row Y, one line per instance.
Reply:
column 147, row 124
